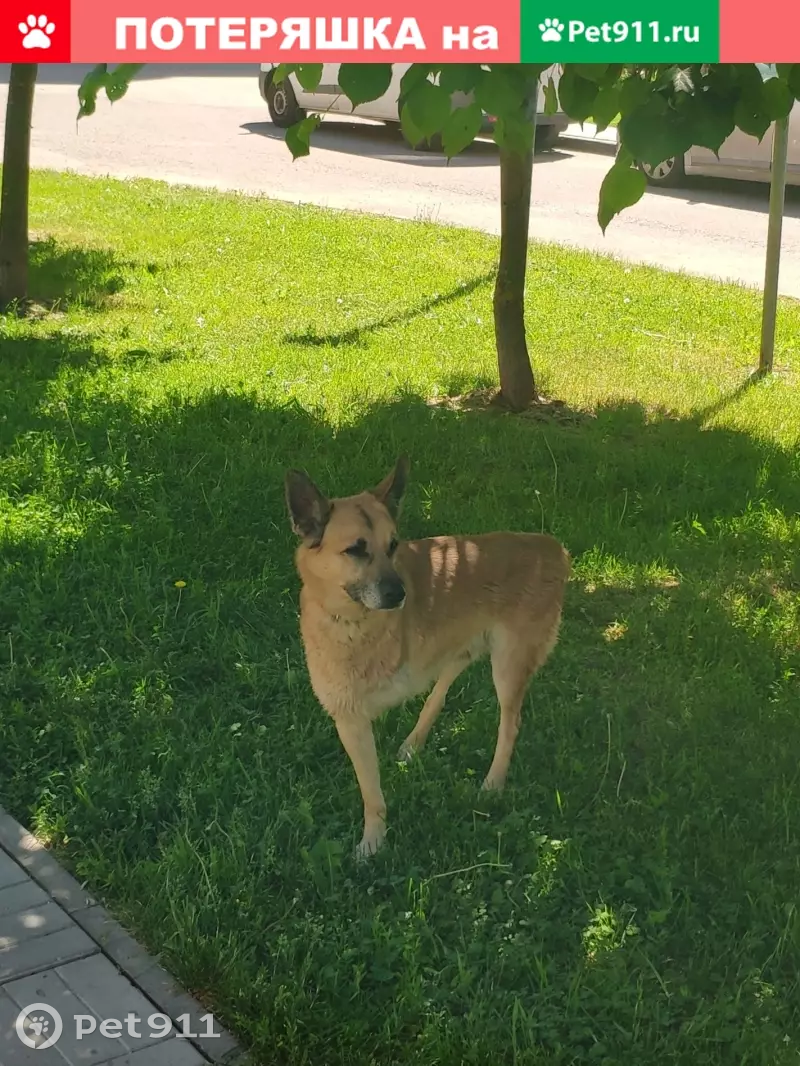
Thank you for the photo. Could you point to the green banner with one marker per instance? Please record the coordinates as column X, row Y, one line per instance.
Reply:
column 620, row 31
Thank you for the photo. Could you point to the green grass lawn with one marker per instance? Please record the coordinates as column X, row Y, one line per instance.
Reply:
column 633, row 896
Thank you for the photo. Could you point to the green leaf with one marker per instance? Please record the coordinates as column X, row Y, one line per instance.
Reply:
column 429, row 108
column 622, row 187
column 751, row 120
column 634, row 92
column 748, row 77
column 711, row 120
column 595, row 72
column 127, row 71
column 612, row 75
column 88, row 89
column 606, row 107
column 119, row 80
column 412, row 133
column 681, row 78
column 500, row 93
column 116, row 89
column 461, row 129
column 414, row 76
column 309, row 75
column 777, row 99
column 361, row 82
column 655, row 132
column 550, row 98
column 514, row 133
column 282, row 71
column 298, row 136
column 793, row 80
column 577, row 95
column 460, row 77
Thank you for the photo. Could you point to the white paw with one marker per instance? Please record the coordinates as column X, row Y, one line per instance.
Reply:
column 408, row 750
column 492, row 784
column 36, row 33
column 551, row 30
column 370, row 843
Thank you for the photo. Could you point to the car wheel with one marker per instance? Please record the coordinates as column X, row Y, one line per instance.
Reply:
column 667, row 174
column 282, row 103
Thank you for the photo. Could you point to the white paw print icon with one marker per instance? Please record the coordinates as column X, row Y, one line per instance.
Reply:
column 551, row 30
column 38, row 1026
column 36, row 32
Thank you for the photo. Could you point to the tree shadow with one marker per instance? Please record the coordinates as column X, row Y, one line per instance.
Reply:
column 157, row 711
column 308, row 339
column 42, row 375
column 60, row 274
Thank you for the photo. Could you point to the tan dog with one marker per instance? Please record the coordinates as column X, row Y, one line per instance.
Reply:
column 382, row 620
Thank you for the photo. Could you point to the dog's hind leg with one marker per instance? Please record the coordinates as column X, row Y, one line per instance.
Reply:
column 513, row 665
column 358, row 740
column 431, row 710
column 510, row 694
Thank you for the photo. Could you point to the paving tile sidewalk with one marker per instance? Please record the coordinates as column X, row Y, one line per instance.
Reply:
column 61, row 950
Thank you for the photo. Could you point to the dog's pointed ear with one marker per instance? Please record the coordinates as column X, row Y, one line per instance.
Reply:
column 391, row 490
column 309, row 510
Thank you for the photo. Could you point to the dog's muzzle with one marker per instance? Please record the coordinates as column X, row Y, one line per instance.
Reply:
column 392, row 593
column 386, row 594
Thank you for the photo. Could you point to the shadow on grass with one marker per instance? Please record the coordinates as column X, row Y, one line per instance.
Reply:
column 353, row 336
column 634, row 891
column 64, row 274
column 30, row 366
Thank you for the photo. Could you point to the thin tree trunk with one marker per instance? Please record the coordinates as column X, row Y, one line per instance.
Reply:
column 16, row 182
column 777, row 196
column 517, row 385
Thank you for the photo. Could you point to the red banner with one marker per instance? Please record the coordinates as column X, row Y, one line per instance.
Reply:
column 444, row 31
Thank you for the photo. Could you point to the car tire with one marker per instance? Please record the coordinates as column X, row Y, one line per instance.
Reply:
column 282, row 103
column 666, row 175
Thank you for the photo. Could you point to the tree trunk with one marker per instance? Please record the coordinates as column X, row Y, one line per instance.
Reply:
column 16, row 181
column 517, row 385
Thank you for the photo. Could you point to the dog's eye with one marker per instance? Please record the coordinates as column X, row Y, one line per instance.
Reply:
column 393, row 544
column 357, row 550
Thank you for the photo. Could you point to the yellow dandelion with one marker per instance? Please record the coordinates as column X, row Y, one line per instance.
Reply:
column 180, row 584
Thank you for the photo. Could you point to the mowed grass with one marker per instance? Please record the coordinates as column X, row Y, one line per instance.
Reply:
column 632, row 898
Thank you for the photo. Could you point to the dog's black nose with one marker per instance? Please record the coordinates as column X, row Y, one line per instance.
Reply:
column 392, row 591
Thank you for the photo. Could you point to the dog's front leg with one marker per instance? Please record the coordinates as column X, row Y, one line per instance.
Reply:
column 357, row 738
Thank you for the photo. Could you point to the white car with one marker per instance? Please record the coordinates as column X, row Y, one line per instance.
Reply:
column 741, row 156
column 288, row 101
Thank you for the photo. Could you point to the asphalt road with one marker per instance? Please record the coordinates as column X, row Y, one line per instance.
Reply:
column 209, row 126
